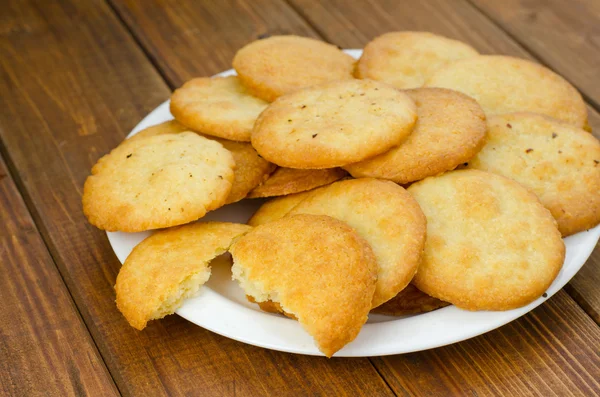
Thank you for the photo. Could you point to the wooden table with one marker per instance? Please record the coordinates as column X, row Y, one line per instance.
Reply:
column 76, row 76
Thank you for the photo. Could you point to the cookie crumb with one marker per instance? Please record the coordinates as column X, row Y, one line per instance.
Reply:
column 545, row 295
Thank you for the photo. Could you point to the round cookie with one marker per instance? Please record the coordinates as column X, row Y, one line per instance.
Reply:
column 502, row 84
column 279, row 65
column 491, row 245
column 277, row 208
column 408, row 59
column 158, row 181
column 169, row 267
column 286, row 181
column 450, row 130
column 218, row 106
column 250, row 169
column 410, row 300
column 333, row 124
column 386, row 216
column 317, row 268
column 556, row 161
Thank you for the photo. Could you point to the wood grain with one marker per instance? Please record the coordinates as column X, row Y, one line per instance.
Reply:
column 353, row 24
column 189, row 38
column 562, row 34
column 552, row 351
column 43, row 351
column 75, row 90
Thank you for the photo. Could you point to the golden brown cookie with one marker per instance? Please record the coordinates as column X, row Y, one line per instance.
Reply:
column 277, row 208
column 556, row 161
column 317, row 268
column 158, row 181
column 491, row 245
column 334, row 124
column 503, row 84
column 450, row 130
column 167, row 127
column 218, row 106
column 410, row 300
column 285, row 181
column 250, row 169
column 279, row 65
column 169, row 267
column 408, row 59
column 386, row 216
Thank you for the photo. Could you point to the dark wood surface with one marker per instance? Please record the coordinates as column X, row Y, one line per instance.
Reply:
column 76, row 76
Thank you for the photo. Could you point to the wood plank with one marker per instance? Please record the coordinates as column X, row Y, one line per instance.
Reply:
column 552, row 351
column 75, row 90
column 353, row 24
column 188, row 39
column 44, row 345
column 561, row 34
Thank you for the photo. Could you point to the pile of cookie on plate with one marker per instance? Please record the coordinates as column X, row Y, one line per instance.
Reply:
column 423, row 174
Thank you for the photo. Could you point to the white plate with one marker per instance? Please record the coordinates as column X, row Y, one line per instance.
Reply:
column 222, row 307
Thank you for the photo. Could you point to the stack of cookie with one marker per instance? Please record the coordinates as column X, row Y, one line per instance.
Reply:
column 422, row 175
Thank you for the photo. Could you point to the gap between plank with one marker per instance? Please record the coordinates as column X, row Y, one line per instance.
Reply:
column 153, row 61
column 35, row 216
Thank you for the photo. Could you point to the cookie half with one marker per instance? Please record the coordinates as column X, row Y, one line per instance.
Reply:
column 218, row 106
column 407, row 59
column 556, row 161
column 158, row 181
column 386, row 216
column 491, row 245
column 333, row 125
column 279, row 65
column 450, row 130
column 316, row 268
column 502, row 84
column 169, row 267
column 286, row 181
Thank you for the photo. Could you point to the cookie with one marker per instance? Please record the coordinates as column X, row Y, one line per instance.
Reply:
column 158, row 181
column 167, row 127
column 277, row 208
column 250, row 169
column 316, row 268
column 408, row 59
column 286, row 181
column 219, row 106
column 491, row 245
column 169, row 267
column 386, row 216
column 450, row 130
column 556, row 161
column 334, row 124
column 279, row 65
column 502, row 84
column 410, row 300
